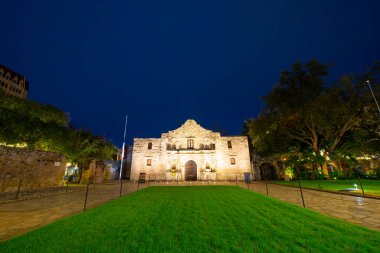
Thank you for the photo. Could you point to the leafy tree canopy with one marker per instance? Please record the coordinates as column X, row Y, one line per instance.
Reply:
column 45, row 127
column 305, row 118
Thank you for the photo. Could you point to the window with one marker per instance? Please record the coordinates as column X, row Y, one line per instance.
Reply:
column 232, row 160
column 149, row 145
column 212, row 146
column 229, row 144
column 190, row 144
column 149, row 162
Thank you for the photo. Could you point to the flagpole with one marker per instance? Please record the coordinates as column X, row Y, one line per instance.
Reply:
column 123, row 150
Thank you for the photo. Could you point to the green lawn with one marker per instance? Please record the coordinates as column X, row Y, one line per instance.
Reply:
column 371, row 187
column 197, row 219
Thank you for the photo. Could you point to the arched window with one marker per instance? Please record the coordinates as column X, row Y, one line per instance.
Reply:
column 8, row 76
column 190, row 144
column 1, row 72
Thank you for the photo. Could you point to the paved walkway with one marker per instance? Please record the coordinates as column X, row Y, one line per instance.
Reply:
column 19, row 217
column 359, row 210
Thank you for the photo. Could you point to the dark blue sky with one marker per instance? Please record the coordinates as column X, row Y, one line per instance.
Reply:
column 163, row 62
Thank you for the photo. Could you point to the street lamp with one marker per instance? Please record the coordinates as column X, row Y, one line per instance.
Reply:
column 373, row 95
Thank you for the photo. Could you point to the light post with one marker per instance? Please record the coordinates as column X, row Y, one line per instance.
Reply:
column 373, row 95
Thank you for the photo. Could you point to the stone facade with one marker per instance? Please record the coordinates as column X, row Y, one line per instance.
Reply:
column 191, row 153
column 37, row 169
column 13, row 83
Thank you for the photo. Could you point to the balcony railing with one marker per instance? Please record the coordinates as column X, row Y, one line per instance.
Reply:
column 190, row 148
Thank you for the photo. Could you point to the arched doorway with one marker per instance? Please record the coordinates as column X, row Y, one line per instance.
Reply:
column 190, row 171
column 268, row 172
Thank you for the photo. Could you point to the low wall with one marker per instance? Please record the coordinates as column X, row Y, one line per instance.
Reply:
column 37, row 169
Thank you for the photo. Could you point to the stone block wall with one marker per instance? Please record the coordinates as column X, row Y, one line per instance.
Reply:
column 37, row 169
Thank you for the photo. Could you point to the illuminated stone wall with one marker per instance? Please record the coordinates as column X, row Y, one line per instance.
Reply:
column 37, row 169
column 167, row 156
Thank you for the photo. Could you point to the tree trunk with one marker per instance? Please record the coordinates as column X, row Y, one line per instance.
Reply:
column 314, row 171
column 325, row 170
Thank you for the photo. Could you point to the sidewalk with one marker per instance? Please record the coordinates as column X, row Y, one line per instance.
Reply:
column 355, row 209
column 21, row 216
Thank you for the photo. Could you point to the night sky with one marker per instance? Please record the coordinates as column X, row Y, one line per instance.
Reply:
column 163, row 62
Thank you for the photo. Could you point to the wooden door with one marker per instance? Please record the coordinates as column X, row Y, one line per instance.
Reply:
column 190, row 171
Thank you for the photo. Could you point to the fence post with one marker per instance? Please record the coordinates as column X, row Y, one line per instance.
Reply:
column 236, row 180
column 138, row 185
column 266, row 182
column 148, row 180
column 177, row 179
column 360, row 181
column 85, row 199
column 18, row 189
column 67, row 185
column 303, row 201
column 121, row 186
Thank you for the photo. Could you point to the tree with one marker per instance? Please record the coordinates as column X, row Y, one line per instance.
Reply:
column 309, row 117
column 45, row 127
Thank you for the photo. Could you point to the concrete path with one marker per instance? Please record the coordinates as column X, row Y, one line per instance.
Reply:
column 359, row 210
column 19, row 217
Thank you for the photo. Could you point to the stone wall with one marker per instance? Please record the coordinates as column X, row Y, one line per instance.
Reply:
column 37, row 169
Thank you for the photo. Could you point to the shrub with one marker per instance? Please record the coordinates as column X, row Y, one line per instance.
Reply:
column 336, row 175
column 305, row 174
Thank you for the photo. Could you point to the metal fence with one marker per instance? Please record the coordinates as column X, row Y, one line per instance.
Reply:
column 56, row 202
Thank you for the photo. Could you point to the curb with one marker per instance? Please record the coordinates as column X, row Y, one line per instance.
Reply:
column 330, row 191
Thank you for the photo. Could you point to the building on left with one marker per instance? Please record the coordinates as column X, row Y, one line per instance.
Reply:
column 13, row 83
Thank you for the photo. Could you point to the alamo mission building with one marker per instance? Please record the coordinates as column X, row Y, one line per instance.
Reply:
column 190, row 152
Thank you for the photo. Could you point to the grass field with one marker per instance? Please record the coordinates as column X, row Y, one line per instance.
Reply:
column 197, row 219
column 371, row 187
